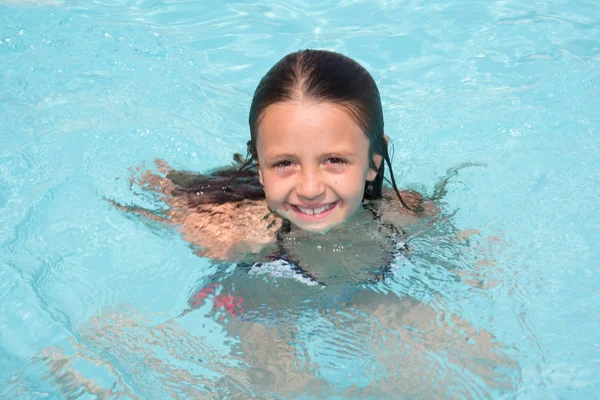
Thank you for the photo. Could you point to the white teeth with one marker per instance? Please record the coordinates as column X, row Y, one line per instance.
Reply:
column 313, row 211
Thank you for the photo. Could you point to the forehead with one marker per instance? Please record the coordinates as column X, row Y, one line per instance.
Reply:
column 295, row 126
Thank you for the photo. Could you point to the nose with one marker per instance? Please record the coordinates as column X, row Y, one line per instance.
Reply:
column 310, row 186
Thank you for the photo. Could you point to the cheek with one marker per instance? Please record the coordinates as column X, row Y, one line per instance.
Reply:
column 273, row 188
column 350, row 185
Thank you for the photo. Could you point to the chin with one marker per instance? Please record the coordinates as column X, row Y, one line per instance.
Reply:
column 322, row 226
column 314, row 228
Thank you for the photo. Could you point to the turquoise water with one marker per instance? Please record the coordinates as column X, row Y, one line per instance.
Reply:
column 90, row 297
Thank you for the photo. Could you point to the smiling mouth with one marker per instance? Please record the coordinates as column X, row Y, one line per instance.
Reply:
column 314, row 213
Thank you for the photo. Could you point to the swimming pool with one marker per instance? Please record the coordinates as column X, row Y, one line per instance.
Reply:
column 89, row 92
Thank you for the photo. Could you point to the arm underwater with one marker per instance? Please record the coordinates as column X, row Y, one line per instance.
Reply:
column 224, row 212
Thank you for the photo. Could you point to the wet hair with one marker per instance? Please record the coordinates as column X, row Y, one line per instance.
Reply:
column 317, row 75
column 325, row 76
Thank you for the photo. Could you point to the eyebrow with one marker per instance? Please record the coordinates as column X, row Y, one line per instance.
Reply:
column 338, row 154
column 279, row 156
column 324, row 155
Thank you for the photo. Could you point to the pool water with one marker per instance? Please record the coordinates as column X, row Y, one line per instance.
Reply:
column 91, row 297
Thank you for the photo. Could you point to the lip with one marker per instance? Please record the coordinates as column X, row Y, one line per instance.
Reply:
column 313, row 217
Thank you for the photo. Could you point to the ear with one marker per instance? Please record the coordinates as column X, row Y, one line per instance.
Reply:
column 260, row 178
column 377, row 159
column 372, row 174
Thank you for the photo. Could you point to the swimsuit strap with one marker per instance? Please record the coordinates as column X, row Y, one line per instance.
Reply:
column 377, row 215
column 395, row 236
column 282, row 254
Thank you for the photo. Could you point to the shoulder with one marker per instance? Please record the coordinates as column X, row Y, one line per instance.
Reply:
column 392, row 211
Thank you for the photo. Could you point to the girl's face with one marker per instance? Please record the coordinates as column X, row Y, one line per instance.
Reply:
column 313, row 163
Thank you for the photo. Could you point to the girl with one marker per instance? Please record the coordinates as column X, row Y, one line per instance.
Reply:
column 315, row 165
column 316, row 160
column 312, row 229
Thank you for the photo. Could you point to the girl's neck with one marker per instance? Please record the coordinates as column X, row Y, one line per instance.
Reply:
column 346, row 253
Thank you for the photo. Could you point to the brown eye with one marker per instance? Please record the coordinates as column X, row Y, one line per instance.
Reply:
column 336, row 161
column 284, row 164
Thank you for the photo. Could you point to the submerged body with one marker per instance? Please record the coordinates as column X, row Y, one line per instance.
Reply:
column 279, row 292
